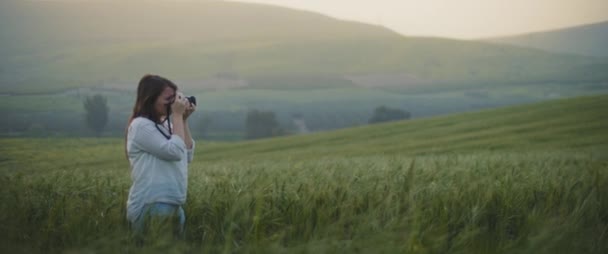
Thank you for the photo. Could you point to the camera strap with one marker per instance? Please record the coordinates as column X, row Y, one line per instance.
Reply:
column 168, row 124
column 162, row 132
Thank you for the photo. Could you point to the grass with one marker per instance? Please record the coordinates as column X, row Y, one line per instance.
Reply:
column 527, row 179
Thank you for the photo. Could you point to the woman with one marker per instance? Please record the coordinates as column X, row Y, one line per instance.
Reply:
column 159, row 148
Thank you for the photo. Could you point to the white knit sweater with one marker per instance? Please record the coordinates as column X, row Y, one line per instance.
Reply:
column 159, row 166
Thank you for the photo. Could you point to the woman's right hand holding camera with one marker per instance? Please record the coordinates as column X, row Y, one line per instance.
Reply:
column 180, row 104
column 178, row 109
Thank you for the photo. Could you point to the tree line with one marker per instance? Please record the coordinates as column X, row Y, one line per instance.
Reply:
column 258, row 123
column 251, row 124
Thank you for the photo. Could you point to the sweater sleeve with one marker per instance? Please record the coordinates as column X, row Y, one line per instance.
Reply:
column 144, row 135
column 191, row 152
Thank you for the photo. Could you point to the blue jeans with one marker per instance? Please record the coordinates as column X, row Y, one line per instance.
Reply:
column 159, row 218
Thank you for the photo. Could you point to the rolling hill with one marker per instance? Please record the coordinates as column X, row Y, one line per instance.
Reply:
column 52, row 46
column 574, row 123
column 588, row 40
column 557, row 125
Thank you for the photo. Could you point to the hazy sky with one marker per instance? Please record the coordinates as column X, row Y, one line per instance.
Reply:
column 466, row 19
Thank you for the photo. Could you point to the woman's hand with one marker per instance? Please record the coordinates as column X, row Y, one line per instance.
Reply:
column 180, row 104
column 189, row 109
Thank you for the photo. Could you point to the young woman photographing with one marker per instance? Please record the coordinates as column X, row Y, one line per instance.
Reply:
column 159, row 148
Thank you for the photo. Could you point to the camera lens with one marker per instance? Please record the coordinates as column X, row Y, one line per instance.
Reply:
column 191, row 99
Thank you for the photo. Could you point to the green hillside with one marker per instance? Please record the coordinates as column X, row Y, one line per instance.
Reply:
column 51, row 46
column 559, row 124
column 555, row 125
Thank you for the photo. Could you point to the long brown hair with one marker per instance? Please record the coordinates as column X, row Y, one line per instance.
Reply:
column 149, row 89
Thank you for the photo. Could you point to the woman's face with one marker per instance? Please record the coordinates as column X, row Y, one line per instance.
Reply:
column 165, row 98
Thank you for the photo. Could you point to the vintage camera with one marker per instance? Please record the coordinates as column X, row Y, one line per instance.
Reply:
column 191, row 99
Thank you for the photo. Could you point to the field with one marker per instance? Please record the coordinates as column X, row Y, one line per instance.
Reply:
column 526, row 179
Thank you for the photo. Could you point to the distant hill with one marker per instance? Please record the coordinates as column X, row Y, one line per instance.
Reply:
column 589, row 40
column 573, row 123
column 53, row 46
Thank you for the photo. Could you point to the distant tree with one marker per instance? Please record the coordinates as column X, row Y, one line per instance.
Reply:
column 261, row 124
column 97, row 111
column 386, row 114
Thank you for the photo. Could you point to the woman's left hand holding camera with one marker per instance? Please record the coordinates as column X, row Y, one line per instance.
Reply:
column 189, row 109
